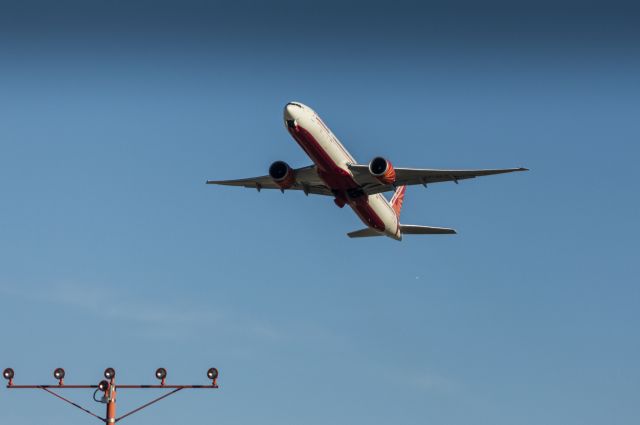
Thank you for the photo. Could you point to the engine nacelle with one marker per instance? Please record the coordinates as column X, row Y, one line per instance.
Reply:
column 382, row 169
column 282, row 174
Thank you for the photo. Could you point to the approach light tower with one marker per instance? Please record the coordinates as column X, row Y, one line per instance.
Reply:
column 107, row 387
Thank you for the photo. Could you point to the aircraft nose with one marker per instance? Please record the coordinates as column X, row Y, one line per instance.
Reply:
column 292, row 110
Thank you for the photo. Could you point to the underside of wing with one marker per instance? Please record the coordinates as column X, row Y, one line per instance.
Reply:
column 306, row 179
column 423, row 176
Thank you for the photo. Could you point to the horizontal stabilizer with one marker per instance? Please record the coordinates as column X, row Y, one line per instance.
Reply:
column 411, row 229
column 364, row 233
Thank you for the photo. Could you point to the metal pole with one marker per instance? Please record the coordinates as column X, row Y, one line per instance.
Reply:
column 111, row 403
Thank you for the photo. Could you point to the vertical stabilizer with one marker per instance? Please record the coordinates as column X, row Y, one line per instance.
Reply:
column 397, row 199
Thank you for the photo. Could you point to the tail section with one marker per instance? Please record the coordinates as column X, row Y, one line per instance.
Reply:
column 404, row 229
column 398, row 199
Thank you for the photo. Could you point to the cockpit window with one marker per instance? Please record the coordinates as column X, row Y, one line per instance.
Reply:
column 295, row 104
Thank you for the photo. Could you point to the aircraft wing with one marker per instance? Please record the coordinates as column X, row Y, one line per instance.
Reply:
column 424, row 176
column 306, row 179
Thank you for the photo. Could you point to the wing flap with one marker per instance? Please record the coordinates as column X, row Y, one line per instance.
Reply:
column 424, row 176
column 306, row 179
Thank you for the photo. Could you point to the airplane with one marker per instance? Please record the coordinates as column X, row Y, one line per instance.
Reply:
column 337, row 174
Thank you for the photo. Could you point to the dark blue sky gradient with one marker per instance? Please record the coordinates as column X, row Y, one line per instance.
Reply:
column 115, row 253
column 411, row 22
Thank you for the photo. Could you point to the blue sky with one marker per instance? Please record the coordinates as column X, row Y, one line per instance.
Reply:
column 115, row 253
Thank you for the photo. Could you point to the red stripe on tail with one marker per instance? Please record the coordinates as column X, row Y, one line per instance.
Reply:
column 397, row 199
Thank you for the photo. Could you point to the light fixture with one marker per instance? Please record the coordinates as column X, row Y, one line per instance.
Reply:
column 8, row 374
column 161, row 374
column 212, row 374
column 59, row 374
column 109, row 373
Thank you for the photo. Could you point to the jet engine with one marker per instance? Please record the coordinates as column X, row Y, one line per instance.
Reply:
column 282, row 174
column 382, row 169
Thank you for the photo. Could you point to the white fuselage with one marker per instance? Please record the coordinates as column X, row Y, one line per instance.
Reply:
column 331, row 160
